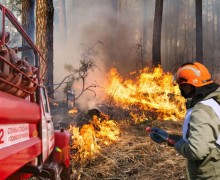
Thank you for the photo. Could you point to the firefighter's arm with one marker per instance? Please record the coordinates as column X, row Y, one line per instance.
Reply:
column 200, row 139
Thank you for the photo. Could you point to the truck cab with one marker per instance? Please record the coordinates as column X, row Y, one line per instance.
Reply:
column 28, row 141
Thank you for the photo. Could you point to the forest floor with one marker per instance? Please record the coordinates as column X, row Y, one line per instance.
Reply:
column 135, row 156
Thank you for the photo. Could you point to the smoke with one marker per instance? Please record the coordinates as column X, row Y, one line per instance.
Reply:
column 113, row 33
column 98, row 23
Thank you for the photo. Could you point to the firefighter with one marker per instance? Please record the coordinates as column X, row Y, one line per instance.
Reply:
column 200, row 140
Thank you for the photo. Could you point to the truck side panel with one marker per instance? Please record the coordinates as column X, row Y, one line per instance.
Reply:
column 14, row 157
column 17, row 110
column 19, row 140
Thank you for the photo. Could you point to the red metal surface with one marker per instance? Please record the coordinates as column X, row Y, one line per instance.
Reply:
column 17, row 110
column 52, row 146
column 61, row 154
column 20, row 176
column 33, row 130
column 14, row 157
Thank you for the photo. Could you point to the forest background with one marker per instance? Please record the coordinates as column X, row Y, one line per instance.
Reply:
column 126, row 35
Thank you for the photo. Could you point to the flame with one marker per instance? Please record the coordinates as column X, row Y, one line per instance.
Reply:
column 88, row 140
column 149, row 95
column 152, row 92
column 73, row 111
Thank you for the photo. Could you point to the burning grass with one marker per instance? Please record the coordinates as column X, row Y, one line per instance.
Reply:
column 135, row 156
column 121, row 148
column 149, row 90
column 88, row 140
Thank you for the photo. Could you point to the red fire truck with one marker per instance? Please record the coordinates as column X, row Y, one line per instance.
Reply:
column 29, row 145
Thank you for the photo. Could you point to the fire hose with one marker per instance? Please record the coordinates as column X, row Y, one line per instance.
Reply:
column 162, row 136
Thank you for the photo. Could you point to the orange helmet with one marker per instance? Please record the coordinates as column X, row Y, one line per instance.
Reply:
column 195, row 74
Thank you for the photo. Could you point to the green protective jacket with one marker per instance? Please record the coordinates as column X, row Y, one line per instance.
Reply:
column 201, row 150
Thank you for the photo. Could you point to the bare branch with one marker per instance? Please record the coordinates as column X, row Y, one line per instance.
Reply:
column 86, row 64
column 62, row 82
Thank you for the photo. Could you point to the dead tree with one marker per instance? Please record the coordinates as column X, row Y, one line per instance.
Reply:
column 199, row 36
column 86, row 65
column 141, row 53
column 156, row 54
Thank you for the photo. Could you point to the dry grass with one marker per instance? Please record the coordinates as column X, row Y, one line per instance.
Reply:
column 135, row 156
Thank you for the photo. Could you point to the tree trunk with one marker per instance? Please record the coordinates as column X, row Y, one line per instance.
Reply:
column 176, row 24
column 218, row 22
column 28, row 23
column 145, row 28
column 44, row 15
column 213, row 25
column 156, row 50
column 199, row 36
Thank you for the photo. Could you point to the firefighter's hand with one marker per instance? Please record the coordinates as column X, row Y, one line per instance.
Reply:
column 178, row 145
column 158, row 135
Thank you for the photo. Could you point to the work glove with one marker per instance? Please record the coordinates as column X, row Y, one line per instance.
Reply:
column 178, row 145
column 158, row 135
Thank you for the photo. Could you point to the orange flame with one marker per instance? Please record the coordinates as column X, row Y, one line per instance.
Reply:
column 73, row 111
column 88, row 140
column 151, row 92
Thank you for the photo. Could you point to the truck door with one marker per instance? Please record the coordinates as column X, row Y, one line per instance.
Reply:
column 46, row 126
